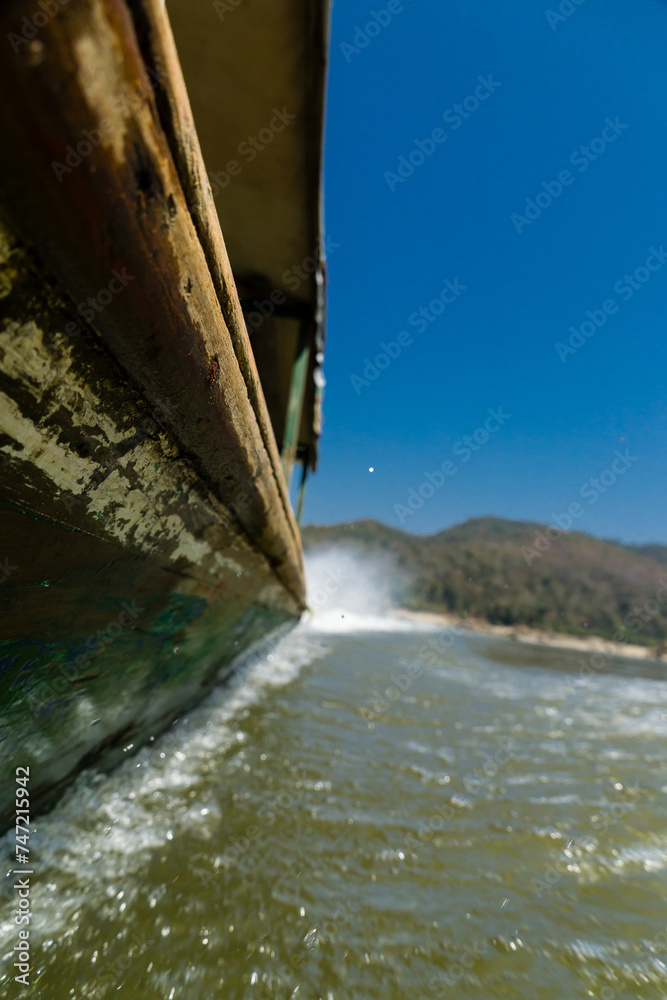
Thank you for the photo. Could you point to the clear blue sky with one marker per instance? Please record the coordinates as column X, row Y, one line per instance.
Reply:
column 494, row 345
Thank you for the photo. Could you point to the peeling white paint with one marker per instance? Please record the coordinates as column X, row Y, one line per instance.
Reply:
column 128, row 513
column 8, row 274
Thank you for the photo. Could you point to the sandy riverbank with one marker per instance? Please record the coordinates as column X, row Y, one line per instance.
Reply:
column 534, row 637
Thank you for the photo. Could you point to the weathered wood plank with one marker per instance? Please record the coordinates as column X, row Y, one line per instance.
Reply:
column 100, row 512
column 138, row 465
column 159, row 51
column 118, row 207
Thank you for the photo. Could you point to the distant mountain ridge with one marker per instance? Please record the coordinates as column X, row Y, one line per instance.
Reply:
column 520, row 573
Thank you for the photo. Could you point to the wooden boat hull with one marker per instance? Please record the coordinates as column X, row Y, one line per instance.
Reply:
column 146, row 534
column 129, row 588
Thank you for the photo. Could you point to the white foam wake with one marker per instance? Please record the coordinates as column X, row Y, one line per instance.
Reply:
column 342, row 621
column 138, row 807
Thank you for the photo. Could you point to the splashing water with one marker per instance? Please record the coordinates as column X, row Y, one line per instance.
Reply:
column 349, row 591
column 487, row 826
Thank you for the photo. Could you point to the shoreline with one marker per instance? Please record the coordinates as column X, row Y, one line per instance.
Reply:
column 534, row 637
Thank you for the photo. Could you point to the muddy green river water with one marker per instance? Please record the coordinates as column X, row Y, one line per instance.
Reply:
column 368, row 813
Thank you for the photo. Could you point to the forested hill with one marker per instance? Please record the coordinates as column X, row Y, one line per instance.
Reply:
column 652, row 551
column 511, row 573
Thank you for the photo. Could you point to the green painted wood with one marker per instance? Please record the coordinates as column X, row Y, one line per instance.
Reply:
column 295, row 402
